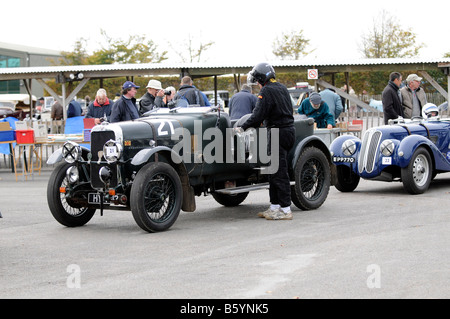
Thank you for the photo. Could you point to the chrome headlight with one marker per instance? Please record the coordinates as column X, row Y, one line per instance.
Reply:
column 112, row 151
column 72, row 174
column 387, row 147
column 71, row 152
column 105, row 174
column 349, row 147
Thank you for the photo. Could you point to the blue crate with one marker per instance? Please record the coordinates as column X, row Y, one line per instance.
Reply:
column 7, row 136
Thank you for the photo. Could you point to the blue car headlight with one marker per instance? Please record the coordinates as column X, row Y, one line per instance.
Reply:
column 387, row 148
column 349, row 147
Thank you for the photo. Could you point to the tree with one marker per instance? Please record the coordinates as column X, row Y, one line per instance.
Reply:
column 387, row 39
column 193, row 54
column 78, row 56
column 291, row 45
column 137, row 49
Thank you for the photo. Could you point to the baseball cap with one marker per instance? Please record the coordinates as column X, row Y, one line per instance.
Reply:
column 154, row 84
column 413, row 77
column 129, row 84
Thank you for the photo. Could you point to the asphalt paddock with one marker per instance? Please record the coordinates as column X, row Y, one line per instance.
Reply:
column 376, row 242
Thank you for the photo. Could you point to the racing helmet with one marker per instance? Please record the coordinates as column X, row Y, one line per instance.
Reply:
column 261, row 73
column 429, row 110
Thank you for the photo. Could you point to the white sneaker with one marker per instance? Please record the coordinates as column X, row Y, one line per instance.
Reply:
column 266, row 212
column 279, row 215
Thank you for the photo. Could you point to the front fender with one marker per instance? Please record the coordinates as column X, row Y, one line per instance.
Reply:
column 144, row 155
column 57, row 157
column 336, row 145
column 409, row 145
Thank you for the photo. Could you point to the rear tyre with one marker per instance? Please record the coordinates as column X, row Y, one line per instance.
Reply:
column 312, row 179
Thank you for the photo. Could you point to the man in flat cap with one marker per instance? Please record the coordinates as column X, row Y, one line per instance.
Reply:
column 413, row 96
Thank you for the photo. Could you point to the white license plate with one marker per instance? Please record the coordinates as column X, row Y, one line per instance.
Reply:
column 95, row 198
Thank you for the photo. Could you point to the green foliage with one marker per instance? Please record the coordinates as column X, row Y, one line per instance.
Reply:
column 291, row 46
column 387, row 39
column 137, row 49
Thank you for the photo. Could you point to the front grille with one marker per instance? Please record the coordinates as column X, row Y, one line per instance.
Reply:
column 368, row 154
column 98, row 139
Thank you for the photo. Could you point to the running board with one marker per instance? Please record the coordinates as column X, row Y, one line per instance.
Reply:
column 244, row 189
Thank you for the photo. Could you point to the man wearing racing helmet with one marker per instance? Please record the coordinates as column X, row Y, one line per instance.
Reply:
column 274, row 108
column 430, row 110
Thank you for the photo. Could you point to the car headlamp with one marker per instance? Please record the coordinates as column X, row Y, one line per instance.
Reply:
column 105, row 174
column 112, row 151
column 71, row 152
column 72, row 174
column 387, row 147
column 349, row 147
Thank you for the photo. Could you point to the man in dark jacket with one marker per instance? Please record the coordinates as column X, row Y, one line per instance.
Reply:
column 242, row 102
column 153, row 98
column 274, row 107
column 125, row 109
column 100, row 108
column 392, row 104
column 190, row 93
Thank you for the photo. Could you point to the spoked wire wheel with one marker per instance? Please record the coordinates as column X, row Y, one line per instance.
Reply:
column 156, row 197
column 65, row 210
column 312, row 179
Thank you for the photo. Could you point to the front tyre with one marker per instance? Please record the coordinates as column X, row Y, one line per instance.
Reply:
column 156, row 197
column 312, row 179
column 347, row 180
column 60, row 205
column 417, row 175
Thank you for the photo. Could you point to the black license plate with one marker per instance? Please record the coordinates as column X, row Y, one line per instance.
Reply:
column 337, row 159
column 95, row 198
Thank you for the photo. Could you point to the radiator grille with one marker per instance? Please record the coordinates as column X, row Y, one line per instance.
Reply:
column 98, row 139
column 368, row 154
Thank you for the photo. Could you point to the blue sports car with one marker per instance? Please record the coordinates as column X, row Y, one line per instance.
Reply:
column 411, row 151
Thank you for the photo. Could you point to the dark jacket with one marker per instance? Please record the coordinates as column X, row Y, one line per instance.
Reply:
column 192, row 94
column 242, row 103
column 97, row 111
column 392, row 105
column 274, row 107
column 149, row 102
column 124, row 110
column 74, row 109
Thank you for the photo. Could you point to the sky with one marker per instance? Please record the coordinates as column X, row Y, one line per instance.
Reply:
column 242, row 31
